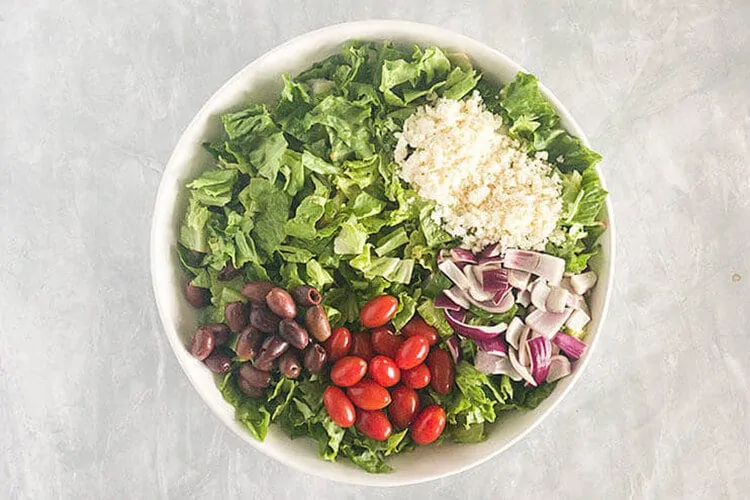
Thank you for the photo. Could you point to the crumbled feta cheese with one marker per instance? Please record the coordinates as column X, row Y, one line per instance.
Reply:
column 486, row 188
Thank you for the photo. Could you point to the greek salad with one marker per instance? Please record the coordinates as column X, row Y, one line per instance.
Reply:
column 393, row 254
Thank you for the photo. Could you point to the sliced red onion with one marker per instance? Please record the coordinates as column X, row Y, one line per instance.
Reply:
column 570, row 345
column 476, row 289
column 555, row 349
column 582, row 283
column 503, row 303
column 539, row 294
column 454, row 347
column 540, row 352
column 524, row 298
column 559, row 367
column 547, row 266
column 495, row 345
column 547, row 323
column 462, row 255
column 557, row 299
column 574, row 301
column 578, row 320
column 498, row 259
column 515, row 330
column 523, row 347
column 443, row 302
column 458, row 296
column 490, row 251
column 519, row 279
column 520, row 368
column 493, row 364
column 473, row 332
column 450, row 269
column 494, row 279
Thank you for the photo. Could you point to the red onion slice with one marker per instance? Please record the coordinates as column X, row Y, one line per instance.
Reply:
column 559, row 367
column 444, row 302
column 473, row 332
column 547, row 266
column 451, row 270
column 540, row 352
column 570, row 345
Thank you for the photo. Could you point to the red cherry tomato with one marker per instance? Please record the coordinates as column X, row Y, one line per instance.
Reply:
column 374, row 424
column 348, row 371
column 416, row 378
column 412, row 352
column 338, row 406
column 418, row 326
column 369, row 395
column 384, row 371
column 442, row 373
column 378, row 311
column 428, row 425
column 404, row 406
column 386, row 342
column 338, row 344
column 361, row 345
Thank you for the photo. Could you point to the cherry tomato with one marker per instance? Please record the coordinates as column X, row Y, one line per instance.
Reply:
column 441, row 371
column 369, row 395
column 412, row 352
column 384, row 371
column 404, row 406
column 361, row 345
column 338, row 344
column 428, row 425
column 348, row 371
column 418, row 326
column 378, row 311
column 374, row 424
column 417, row 377
column 386, row 342
column 339, row 407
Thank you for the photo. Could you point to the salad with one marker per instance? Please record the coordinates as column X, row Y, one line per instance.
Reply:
column 393, row 254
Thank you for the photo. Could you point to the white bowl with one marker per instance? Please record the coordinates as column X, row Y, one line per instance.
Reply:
column 260, row 82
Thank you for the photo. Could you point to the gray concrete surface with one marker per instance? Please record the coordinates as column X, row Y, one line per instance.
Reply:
column 93, row 96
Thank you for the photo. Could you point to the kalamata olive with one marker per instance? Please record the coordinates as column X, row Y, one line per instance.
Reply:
column 272, row 348
column 293, row 333
column 202, row 343
column 289, row 364
column 263, row 319
column 248, row 343
column 248, row 389
column 235, row 315
column 256, row 291
column 281, row 303
column 218, row 361
column 220, row 331
column 266, row 364
column 197, row 297
column 255, row 377
column 316, row 321
column 315, row 358
column 228, row 273
column 306, row 295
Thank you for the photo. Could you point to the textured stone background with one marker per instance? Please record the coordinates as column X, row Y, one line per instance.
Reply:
column 93, row 96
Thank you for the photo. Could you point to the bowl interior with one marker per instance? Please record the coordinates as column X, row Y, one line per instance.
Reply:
column 260, row 82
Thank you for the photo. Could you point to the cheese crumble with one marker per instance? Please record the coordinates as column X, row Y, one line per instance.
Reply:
column 487, row 189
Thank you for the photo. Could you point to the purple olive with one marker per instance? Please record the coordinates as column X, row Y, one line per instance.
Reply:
column 218, row 361
column 196, row 296
column 316, row 321
column 306, row 296
column 202, row 344
column 256, row 291
column 289, row 364
column 254, row 376
column 293, row 333
column 272, row 348
column 235, row 315
column 220, row 332
column 315, row 358
column 248, row 343
column 281, row 303
column 263, row 319
column 248, row 389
